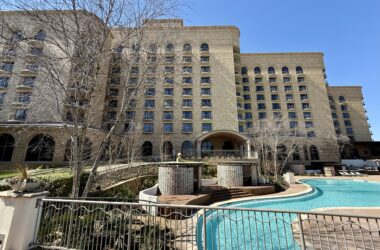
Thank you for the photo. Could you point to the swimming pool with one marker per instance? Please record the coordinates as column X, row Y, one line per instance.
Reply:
column 235, row 229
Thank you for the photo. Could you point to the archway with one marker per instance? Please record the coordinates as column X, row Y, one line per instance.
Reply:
column 7, row 144
column 40, row 148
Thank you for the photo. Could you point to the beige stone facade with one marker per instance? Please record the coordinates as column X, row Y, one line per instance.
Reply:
column 216, row 94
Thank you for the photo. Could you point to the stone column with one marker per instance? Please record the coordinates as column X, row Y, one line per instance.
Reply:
column 19, row 219
column 249, row 149
column 199, row 150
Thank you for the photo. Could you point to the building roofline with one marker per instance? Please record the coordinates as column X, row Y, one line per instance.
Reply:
column 354, row 86
column 283, row 53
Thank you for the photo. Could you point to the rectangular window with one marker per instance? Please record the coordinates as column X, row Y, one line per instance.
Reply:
column 149, row 104
column 349, row 131
column 259, row 88
column 168, row 103
column 272, row 79
column 249, row 124
column 205, row 80
column 187, row 80
column 277, row 115
column 247, row 97
column 111, row 115
column 206, row 127
column 241, row 128
column 113, row 92
column 205, row 59
column 187, row 128
column 289, row 97
column 310, row 134
column 205, row 69
column 286, row 80
column 276, row 106
column 309, row 124
column 305, row 106
column 258, row 80
column 302, row 88
column 148, row 127
column 292, row 115
column 288, row 88
column 151, row 70
column 171, row 59
column 273, row 89
column 187, row 115
column 187, row 103
column 169, row 70
column 245, row 80
column 130, row 115
column 240, row 117
column 246, row 88
column 290, row 105
column 168, row 128
column 149, row 115
column 275, row 97
column 2, row 98
column 261, row 106
column 304, row 97
column 112, row 104
column 347, row 123
column 206, row 103
column 300, row 79
column 186, row 59
column 307, row 115
column 293, row 124
column 35, row 51
column 168, row 91
column 187, row 91
column 150, row 92
column 187, row 69
column 169, row 80
column 248, row 115
column 7, row 66
column 21, row 114
column 336, row 123
column 131, row 81
column 346, row 115
column 262, row 115
column 167, row 115
column 205, row 91
column 4, row 82
column 334, row 115
column 247, row 106
column 150, row 80
column 344, row 107
column 206, row 115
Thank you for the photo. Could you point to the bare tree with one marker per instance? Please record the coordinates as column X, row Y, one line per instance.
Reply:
column 85, row 43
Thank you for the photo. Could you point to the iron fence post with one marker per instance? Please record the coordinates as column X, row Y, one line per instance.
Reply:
column 302, row 237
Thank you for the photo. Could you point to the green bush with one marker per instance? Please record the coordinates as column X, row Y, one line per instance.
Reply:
column 60, row 184
column 209, row 171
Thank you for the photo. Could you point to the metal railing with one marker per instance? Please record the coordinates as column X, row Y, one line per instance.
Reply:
column 223, row 154
column 85, row 224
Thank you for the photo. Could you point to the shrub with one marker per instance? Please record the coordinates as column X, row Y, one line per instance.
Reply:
column 209, row 171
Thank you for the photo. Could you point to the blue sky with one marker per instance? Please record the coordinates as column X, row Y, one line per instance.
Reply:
column 346, row 31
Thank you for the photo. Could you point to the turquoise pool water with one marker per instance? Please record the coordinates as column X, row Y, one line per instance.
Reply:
column 238, row 230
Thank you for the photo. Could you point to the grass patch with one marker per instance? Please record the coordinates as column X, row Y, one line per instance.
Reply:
column 7, row 174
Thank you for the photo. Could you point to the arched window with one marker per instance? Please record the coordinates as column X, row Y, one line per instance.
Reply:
column 40, row 36
column 147, row 148
column 204, row 47
column 167, row 148
column 169, row 47
column 207, row 146
column 271, row 70
column 296, row 154
column 257, row 70
column 314, row 155
column 285, row 70
column 244, row 70
column 187, row 47
column 7, row 145
column 299, row 70
column 187, row 149
column 40, row 148
column 342, row 99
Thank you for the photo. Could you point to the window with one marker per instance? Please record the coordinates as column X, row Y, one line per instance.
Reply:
column 334, row 115
column 113, row 92
column 240, row 117
column 342, row 99
column 168, row 103
column 7, row 144
column 293, row 124
column 246, row 88
column 344, row 107
column 349, row 131
column 24, row 98
column 249, row 124
column 248, row 115
column 187, row 80
column 167, row 115
column 299, row 70
column 260, row 97
column 336, row 123
column 40, row 36
column 111, row 115
column 169, row 80
column 247, row 97
column 186, row 59
column 205, row 80
column 346, row 115
column 131, row 81
column 187, row 149
column 149, row 115
column 302, row 88
column 285, row 70
column 187, row 128
column 187, row 103
column 204, row 47
column 4, row 82
column 135, row 70
column 286, row 79
column 300, row 79
column 206, row 127
column 21, row 115
column 314, row 154
column 258, row 80
column 304, row 97
column 207, row 146
column 347, row 123
column 168, row 128
column 130, row 115
column 148, row 127
column 257, row 70
column 35, row 51
column 272, row 80
column 262, row 115
column 32, row 67
column 16, row 36
column 205, row 69
column 119, row 49
column 244, row 70
column 245, row 79
column 150, row 92
column 288, row 88
column 169, row 47
column 261, row 106
column 276, row 106
column 241, row 129
column 187, row 91
column 187, row 115
column 307, row 115
column 169, row 70
column 149, row 104
column 277, row 115
column 247, row 106
column 273, row 88
column 309, row 124
column 2, row 98
column 170, row 59
column 259, row 88
column 151, row 81
column 271, row 71
column 7, row 66
column 305, row 106
column 290, row 106
column 40, row 148
column 168, row 91
column 187, row 47
column 310, row 134
column 147, row 148
column 187, row 69
column 205, row 59
column 289, row 97
column 275, row 97
column 206, row 103
column 206, row 115
column 205, row 91
column 292, row 115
